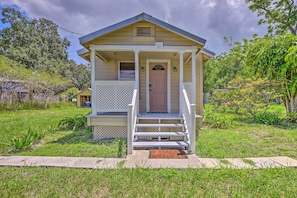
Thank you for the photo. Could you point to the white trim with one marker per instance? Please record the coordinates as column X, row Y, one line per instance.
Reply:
column 193, row 99
column 148, row 61
column 93, row 83
column 143, row 48
column 181, row 78
column 126, row 79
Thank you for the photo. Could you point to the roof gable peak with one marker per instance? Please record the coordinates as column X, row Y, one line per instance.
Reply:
column 137, row 18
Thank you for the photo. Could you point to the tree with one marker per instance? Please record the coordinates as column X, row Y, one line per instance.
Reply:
column 281, row 15
column 275, row 58
column 80, row 75
column 35, row 43
column 221, row 69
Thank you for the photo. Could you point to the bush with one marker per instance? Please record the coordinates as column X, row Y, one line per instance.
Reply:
column 292, row 117
column 216, row 121
column 79, row 122
column 26, row 141
column 267, row 118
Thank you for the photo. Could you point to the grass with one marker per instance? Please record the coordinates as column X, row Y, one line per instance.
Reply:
column 55, row 143
column 61, row 182
column 248, row 139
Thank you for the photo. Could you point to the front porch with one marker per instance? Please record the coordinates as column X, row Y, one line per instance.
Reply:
column 116, row 114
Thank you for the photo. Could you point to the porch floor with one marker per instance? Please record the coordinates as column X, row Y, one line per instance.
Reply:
column 159, row 115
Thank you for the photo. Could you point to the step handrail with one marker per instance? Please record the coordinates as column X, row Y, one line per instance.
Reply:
column 189, row 114
column 132, row 117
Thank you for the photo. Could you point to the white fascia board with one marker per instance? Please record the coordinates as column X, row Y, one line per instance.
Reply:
column 143, row 48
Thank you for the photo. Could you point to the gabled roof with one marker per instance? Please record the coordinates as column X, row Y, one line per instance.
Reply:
column 83, row 91
column 140, row 17
column 208, row 52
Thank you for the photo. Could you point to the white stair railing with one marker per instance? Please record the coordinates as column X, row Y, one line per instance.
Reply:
column 132, row 118
column 189, row 115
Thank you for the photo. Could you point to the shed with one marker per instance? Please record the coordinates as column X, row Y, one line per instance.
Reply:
column 83, row 97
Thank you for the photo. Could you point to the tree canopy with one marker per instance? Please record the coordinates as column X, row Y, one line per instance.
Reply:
column 281, row 15
column 275, row 58
column 36, row 44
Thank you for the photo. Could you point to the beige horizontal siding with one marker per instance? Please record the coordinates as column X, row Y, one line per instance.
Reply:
column 105, row 70
column 124, row 36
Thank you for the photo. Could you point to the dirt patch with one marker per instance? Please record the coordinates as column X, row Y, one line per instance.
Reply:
column 168, row 154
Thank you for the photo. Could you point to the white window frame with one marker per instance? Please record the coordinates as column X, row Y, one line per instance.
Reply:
column 119, row 71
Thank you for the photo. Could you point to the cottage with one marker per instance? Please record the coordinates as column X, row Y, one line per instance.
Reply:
column 83, row 98
column 146, row 83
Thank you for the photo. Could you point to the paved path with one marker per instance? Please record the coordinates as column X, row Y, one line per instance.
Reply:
column 141, row 159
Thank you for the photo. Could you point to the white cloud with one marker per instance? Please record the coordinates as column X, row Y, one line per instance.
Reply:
column 209, row 19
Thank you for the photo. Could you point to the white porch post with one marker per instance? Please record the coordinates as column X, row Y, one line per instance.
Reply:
column 93, row 81
column 181, row 78
column 193, row 99
column 136, row 54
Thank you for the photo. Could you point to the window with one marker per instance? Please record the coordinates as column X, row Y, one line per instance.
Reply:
column 126, row 71
column 143, row 31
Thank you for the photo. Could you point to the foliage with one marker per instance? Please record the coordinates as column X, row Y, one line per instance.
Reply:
column 120, row 147
column 71, row 92
column 281, row 15
column 78, row 122
column 25, row 141
column 292, row 117
column 274, row 59
column 267, row 118
column 36, row 44
column 218, row 71
column 251, row 95
column 216, row 121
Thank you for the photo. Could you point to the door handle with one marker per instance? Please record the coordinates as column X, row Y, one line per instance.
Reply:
column 150, row 85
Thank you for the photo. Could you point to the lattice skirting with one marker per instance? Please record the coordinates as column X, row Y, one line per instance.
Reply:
column 107, row 132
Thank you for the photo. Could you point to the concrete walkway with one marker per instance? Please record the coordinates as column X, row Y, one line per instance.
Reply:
column 141, row 159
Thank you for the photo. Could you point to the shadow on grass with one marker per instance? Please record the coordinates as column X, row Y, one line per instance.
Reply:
column 77, row 137
column 249, row 120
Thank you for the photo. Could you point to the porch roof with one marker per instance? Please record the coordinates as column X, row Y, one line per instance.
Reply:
column 140, row 17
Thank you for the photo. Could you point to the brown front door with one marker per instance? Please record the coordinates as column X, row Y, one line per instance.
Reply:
column 158, row 87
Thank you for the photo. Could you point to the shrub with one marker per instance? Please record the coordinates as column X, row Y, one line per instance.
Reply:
column 267, row 118
column 25, row 141
column 292, row 117
column 79, row 122
column 216, row 121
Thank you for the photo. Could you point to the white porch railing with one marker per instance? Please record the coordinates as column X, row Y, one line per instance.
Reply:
column 189, row 90
column 132, row 117
column 113, row 96
column 189, row 115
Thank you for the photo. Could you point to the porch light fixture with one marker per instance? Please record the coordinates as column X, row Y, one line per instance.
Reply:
column 142, row 69
column 174, row 69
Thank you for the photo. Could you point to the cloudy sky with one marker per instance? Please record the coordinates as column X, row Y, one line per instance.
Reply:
column 209, row 19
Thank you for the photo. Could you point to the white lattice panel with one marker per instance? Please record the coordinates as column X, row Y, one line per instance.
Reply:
column 189, row 90
column 107, row 132
column 113, row 96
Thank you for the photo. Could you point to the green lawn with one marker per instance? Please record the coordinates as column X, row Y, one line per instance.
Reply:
column 55, row 143
column 66, row 182
column 243, row 139
column 247, row 139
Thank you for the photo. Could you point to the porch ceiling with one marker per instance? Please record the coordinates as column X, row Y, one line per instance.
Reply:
column 129, row 55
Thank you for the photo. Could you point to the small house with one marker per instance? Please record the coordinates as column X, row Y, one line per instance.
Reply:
column 146, row 79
